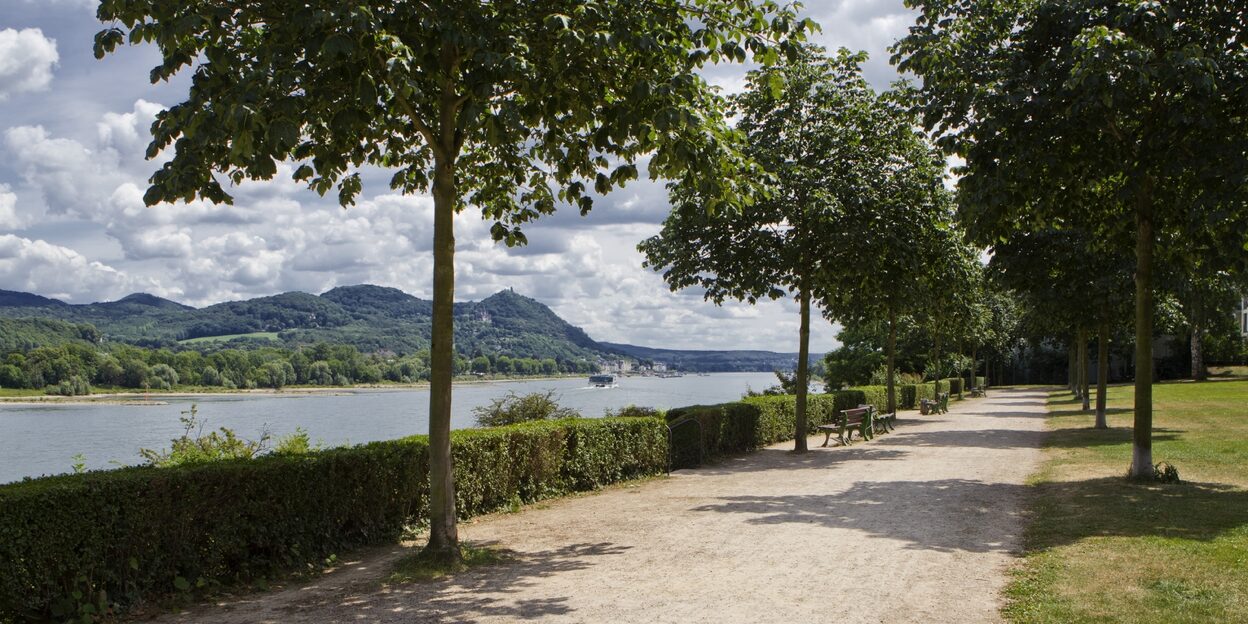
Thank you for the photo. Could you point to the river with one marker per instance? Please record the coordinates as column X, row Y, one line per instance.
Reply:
column 43, row 439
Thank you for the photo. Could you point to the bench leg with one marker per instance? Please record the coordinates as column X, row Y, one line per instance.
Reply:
column 827, row 435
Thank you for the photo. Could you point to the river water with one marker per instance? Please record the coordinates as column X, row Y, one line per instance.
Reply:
column 43, row 439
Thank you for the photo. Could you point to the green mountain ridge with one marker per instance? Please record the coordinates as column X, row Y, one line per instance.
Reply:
column 371, row 318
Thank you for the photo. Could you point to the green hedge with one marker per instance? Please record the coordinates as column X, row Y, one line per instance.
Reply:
column 921, row 391
column 137, row 533
column 748, row 424
column 876, row 396
column 952, row 385
column 981, row 381
column 908, row 395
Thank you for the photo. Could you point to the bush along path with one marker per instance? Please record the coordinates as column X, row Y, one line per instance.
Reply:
column 919, row 525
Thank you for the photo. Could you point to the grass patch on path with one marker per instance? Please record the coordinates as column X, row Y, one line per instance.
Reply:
column 1103, row 549
column 417, row 567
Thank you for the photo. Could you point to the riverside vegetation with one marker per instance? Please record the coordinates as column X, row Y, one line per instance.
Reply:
column 217, row 511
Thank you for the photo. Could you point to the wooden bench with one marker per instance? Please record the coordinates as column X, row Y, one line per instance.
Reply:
column 883, row 422
column 939, row 405
column 846, row 423
column 979, row 391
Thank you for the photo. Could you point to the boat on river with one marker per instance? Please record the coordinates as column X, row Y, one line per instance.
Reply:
column 602, row 381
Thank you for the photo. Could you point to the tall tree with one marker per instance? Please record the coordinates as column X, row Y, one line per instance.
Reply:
column 513, row 107
column 1041, row 95
column 810, row 124
column 889, row 247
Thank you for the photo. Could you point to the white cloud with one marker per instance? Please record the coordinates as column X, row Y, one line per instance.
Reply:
column 56, row 271
column 73, row 179
column 26, row 61
column 88, row 174
column 9, row 219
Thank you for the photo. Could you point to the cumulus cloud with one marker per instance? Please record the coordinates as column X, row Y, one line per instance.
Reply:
column 90, row 174
column 56, row 271
column 66, row 173
column 26, row 61
column 9, row 219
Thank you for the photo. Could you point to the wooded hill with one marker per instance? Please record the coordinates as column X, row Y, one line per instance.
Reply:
column 371, row 318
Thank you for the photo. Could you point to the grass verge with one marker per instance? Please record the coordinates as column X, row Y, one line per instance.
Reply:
column 417, row 568
column 1103, row 549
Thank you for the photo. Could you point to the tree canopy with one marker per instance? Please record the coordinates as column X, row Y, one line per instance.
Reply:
column 812, row 124
column 1045, row 98
column 512, row 107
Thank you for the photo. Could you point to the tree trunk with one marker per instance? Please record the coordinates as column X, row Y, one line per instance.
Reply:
column 892, row 350
column 443, row 532
column 1142, row 436
column 1102, row 374
column 1072, row 367
column 974, row 365
column 1083, row 369
column 1198, row 348
column 803, row 354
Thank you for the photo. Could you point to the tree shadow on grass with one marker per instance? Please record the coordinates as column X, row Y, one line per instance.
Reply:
column 1115, row 506
column 1085, row 437
column 485, row 592
column 1079, row 413
column 952, row 515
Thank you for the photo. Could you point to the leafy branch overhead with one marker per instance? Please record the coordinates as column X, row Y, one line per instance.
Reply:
column 532, row 106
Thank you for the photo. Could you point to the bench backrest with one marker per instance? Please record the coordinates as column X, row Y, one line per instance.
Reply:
column 856, row 415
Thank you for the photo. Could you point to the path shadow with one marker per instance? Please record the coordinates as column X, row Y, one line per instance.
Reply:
column 965, row 515
column 768, row 459
column 978, row 438
column 464, row 597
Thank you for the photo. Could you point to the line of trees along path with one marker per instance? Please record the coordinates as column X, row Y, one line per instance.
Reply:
column 856, row 221
column 510, row 107
column 1049, row 100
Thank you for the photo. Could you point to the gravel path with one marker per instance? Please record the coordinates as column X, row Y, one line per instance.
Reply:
column 919, row 525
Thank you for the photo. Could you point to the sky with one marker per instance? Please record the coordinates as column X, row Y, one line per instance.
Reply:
column 74, row 131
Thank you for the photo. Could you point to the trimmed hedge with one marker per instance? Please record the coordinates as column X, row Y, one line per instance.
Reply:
column 136, row 533
column 908, row 395
column 748, row 424
column 922, row 391
column 952, row 385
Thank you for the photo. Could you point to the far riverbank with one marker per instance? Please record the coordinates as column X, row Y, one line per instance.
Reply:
column 137, row 397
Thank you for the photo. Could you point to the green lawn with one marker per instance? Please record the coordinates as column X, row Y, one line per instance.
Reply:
column 1103, row 549
column 227, row 338
column 20, row 392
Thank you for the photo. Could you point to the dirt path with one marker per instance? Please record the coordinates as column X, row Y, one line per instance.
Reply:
column 919, row 525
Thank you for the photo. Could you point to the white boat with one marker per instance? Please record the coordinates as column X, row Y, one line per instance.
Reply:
column 602, row 381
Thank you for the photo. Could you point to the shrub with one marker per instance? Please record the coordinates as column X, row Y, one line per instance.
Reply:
column 194, row 447
column 73, row 386
column 513, row 409
column 633, row 411
column 141, row 532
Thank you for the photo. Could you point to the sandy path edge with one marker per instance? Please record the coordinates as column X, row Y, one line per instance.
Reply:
column 927, row 519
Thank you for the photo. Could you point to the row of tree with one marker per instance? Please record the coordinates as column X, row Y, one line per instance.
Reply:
column 1069, row 114
column 1105, row 142
column 74, row 368
column 857, row 222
